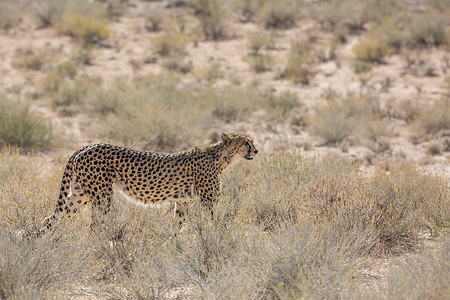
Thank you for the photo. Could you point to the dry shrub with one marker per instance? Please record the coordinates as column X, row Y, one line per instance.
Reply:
column 257, row 41
column 213, row 16
column 357, row 117
column 261, row 62
column 80, row 90
column 171, row 43
column 49, row 12
column 86, row 29
column 375, row 135
column 278, row 14
column 427, row 30
column 372, row 49
column 10, row 14
column 116, row 8
column 299, row 65
column 209, row 74
column 409, row 110
column 421, row 277
column 33, row 59
column 247, row 9
column 360, row 66
column 435, row 148
column 351, row 15
column 435, row 118
column 164, row 114
column 154, row 19
column 333, row 122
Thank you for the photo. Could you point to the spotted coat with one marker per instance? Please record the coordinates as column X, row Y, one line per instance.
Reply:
column 146, row 177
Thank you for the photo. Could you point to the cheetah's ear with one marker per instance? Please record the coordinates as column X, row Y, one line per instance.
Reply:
column 226, row 140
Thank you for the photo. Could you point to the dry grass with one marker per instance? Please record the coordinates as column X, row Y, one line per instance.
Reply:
column 308, row 237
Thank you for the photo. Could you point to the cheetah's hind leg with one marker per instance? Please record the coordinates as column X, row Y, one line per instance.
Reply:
column 68, row 204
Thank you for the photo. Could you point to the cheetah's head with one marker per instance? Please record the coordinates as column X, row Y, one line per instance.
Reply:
column 239, row 145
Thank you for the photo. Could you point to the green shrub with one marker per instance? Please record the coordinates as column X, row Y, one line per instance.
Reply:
column 86, row 29
column 21, row 127
column 10, row 14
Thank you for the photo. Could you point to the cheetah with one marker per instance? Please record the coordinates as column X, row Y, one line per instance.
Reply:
column 146, row 177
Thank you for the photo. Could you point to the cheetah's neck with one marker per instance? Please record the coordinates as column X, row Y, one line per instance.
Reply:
column 218, row 153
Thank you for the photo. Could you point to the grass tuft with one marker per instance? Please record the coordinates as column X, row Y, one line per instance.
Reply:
column 21, row 127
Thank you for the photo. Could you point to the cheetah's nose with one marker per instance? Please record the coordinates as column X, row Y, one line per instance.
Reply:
column 256, row 151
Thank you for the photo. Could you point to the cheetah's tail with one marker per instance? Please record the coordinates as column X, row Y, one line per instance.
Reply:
column 48, row 222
